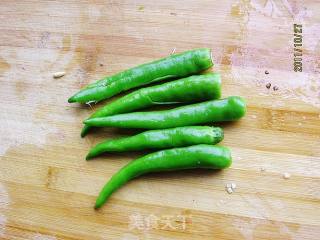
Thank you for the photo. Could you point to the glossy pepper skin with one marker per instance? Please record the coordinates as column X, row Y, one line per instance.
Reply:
column 196, row 156
column 190, row 89
column 174, row 66
column 228, row 109
column 161, row 139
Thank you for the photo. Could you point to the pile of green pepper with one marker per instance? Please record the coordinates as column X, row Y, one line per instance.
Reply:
column 185, row 144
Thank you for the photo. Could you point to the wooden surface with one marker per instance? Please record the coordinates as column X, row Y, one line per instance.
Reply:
column 47, row 189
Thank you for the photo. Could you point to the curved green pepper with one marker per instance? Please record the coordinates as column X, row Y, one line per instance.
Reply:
column 197, row 156
column 160, row 139
column 174, row 66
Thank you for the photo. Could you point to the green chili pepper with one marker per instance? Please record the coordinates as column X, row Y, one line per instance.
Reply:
column 174, row 66
column 228, row 109
column 161, row 139
column 196, row 156
column 190, row 89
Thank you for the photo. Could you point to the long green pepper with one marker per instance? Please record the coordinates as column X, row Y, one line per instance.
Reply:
column 191, row 89
column 174, row 66
column 228, row 109
column 197, row 156
column 160, row 139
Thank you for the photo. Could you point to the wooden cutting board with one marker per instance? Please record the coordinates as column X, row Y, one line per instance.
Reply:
column 47, row 189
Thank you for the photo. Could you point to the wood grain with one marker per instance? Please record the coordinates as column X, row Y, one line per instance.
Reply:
column 47, row 189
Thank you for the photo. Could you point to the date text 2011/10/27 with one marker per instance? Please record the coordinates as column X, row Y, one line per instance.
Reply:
column 297, row 51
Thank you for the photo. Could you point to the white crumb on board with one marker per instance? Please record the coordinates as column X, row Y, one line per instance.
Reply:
column 229, row 190
column 286, row 175
column 59, row 74
column 40, row 236
column 230, row 187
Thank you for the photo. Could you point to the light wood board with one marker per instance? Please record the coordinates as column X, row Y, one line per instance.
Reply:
column 47, row 189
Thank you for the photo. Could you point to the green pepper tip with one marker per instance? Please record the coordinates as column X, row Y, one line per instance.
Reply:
column 97, row 206
column 71, row 99
column 89, row 156
column 84, row 130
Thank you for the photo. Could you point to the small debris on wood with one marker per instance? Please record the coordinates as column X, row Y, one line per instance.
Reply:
column 59, row 74
column 229, row 190
column 173, row 13
column 262, row 169
column 230, row 187
column 141, row 8
column 268, row 85
column 90, row 102
column 275, row 88
column 266, row 72
column 101, row 64
column 286, row 175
